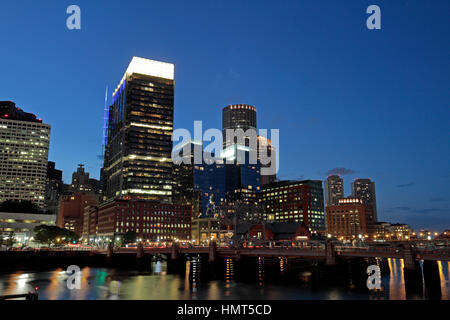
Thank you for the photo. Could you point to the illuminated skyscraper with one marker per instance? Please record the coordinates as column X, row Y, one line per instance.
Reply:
column 334, row 190
column 24, row 143
column 138, row 149
column 364, row 189
column 238, row 116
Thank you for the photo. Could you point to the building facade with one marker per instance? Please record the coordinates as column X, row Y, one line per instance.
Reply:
column 152, row 221
column 265, row 145
column 137, row 163
column 295, row 201
column 24, row 145
column 364, row 189
column 350, row 219
column 391, row 231
column 204, row 230
column 238, row 116
column 334, row 189
column 53, row 188
column 21, row 225
column 72, row 208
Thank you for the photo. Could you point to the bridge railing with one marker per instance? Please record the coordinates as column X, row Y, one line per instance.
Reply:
column 367, row 249
column 437, row 251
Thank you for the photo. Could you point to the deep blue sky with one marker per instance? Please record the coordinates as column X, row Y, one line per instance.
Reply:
column 375, row 103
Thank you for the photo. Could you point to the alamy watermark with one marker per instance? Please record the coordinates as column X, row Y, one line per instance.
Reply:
column 238, row 147
column 374, row 279
column 74, row 279
column 374, row 20
column 74, row 20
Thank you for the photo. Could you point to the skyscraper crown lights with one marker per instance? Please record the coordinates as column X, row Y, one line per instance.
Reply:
column 148, row 67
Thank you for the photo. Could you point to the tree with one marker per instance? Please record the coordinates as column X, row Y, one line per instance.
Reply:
column 130, row 236
column 9, row 240
column 53, row 234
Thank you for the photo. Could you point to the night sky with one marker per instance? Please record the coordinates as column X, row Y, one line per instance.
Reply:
column 359, row 102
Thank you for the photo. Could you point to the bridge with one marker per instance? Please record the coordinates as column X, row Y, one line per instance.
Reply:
column 327, row 252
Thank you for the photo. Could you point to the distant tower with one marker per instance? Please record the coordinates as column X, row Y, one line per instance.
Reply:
column 263, row 142
column 364, row 189
column 334, row 189
column 238, row 116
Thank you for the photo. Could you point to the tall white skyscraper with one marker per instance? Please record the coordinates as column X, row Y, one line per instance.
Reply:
column 24, row 144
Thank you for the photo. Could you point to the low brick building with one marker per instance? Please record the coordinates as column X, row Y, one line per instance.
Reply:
column 71, row 210
column 350, row 219
column 273, row 231
column 150, row 220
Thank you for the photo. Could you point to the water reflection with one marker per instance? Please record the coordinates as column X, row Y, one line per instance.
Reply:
column 396, row 280
column 157, row 283
column 444, row 267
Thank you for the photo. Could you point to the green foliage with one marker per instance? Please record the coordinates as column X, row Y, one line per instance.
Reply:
column 8, row 240
column 53, row 234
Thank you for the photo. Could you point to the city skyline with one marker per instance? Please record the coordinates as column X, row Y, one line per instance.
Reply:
column 388, row 142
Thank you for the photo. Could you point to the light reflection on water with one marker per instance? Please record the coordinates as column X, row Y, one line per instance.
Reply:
column 396, row 280
column 102, row 284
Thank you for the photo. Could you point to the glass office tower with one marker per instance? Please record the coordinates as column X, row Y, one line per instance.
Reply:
column 200, row 185
column 138, row 148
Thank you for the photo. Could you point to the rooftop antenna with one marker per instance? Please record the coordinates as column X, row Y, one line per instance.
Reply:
column 105, row 124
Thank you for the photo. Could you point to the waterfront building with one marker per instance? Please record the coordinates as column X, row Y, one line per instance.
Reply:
column 392, row 231
column 90, row 224
column 208, row 229
column 71, row 210
column 152, row 221
column 21, row 225
column 273, row 231
column 294, row 201
column 334, row 189
column 364, row 189
column 350, row 219
column 24, row 145
column 137, row 162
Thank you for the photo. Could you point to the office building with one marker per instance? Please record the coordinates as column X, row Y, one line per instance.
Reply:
column 138, row 147
column 24, row 145
column 152, row 221
column 350, row 219
column 265, row 145
column 71, row 210
column 334, row 189
column 21, row 225
column 81, row 182
column 364, row 189
column 200, row 185
column 53, row 188
column 391, row 231
column 238, row 116
column 294, row 201
column 204, row 230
